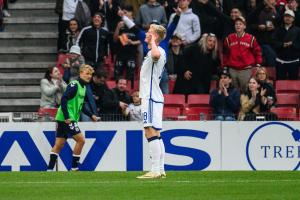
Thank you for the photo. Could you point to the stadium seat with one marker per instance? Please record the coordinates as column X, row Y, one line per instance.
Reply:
column 285, row 113
column 51, row 112
column 171, row 113
column 287, row 99
column 198, row 100
column 287, row 86
column 198, row 113
column 174, row 100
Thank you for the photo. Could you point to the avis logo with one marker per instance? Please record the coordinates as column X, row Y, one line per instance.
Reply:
column 274, row 146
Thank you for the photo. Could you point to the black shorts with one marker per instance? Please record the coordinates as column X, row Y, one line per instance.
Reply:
column 63, row 130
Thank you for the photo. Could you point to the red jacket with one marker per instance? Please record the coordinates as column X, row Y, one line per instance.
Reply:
column 241, row 52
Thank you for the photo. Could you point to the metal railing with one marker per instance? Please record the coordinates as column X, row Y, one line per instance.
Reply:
column 38, row 117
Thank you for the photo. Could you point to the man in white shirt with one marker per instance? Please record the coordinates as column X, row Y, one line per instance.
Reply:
column 152, row 100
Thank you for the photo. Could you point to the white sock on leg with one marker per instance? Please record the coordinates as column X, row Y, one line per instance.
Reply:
column 162, row 156
column 155, row 152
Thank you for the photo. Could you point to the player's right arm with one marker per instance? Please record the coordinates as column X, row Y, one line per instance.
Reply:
column 68, row 95
column 155, row 53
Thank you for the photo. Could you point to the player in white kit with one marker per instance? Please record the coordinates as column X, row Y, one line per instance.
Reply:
column 153, row 100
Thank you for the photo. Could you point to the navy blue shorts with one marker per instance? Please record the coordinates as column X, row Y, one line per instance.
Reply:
column 63, row 130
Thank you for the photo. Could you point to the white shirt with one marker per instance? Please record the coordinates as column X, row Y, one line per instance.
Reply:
column 69, row 9
column 150, row 75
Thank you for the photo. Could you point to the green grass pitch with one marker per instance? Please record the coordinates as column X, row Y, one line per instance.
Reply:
column 198, row 185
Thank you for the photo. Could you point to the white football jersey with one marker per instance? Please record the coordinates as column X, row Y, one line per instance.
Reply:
column 150, row 76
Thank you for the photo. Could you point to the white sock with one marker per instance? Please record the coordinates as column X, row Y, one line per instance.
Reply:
column 162, row 156
column 155, row 152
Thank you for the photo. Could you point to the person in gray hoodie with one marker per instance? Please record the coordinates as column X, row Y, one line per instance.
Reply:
column 151, row 12
column 188, row 27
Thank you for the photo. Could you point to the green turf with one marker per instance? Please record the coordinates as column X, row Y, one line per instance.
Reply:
column 239, row 185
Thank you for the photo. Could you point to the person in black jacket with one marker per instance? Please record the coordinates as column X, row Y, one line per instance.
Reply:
column 217, row 21
column 114, row 102
column 286, row 42
column 200, row 61
column 93, row 41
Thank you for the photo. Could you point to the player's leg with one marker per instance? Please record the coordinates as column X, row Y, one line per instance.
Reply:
column 154, row 149
column 154, row 152
column 61, row 137
column 59, row 144
column 152, row 136
column 162, row 157
column 158, row 112
column 79, row 139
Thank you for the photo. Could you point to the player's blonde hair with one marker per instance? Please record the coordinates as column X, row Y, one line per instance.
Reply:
column 84, row 67
column 159, row 30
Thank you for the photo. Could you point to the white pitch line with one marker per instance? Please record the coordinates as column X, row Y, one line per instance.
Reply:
column 151, row 181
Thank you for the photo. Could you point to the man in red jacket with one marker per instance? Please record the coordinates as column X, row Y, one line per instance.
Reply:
column 241, row 52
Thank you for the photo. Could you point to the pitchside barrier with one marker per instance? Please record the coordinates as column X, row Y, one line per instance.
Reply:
column 190, row 145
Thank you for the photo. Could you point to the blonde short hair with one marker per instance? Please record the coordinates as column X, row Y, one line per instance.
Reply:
column 159, row 30
column 84, row 67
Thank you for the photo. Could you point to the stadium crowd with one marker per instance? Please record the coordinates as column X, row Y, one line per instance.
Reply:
column 224, row 48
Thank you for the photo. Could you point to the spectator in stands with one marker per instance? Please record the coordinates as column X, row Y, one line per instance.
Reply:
column 200, row 61
column 293, row 5
column 127, row 42
column 93, row 41
column 72, row 64
column 114, row 102
column 109, row 9
column 134, row 109
column 240, row 54
column 286, row 42
column 52, row 88
column 241, row 4
column 227, row 22
column 151, row 12
column 71, row 35
column 225, row 100
column 263, row 21
column 169, row 6
column 164, row 43
column 188, row 27
column 254, row 103
column 262, row 75
column 66, row 11
column 174, row 53
column 99, row 87
column 210, row 23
